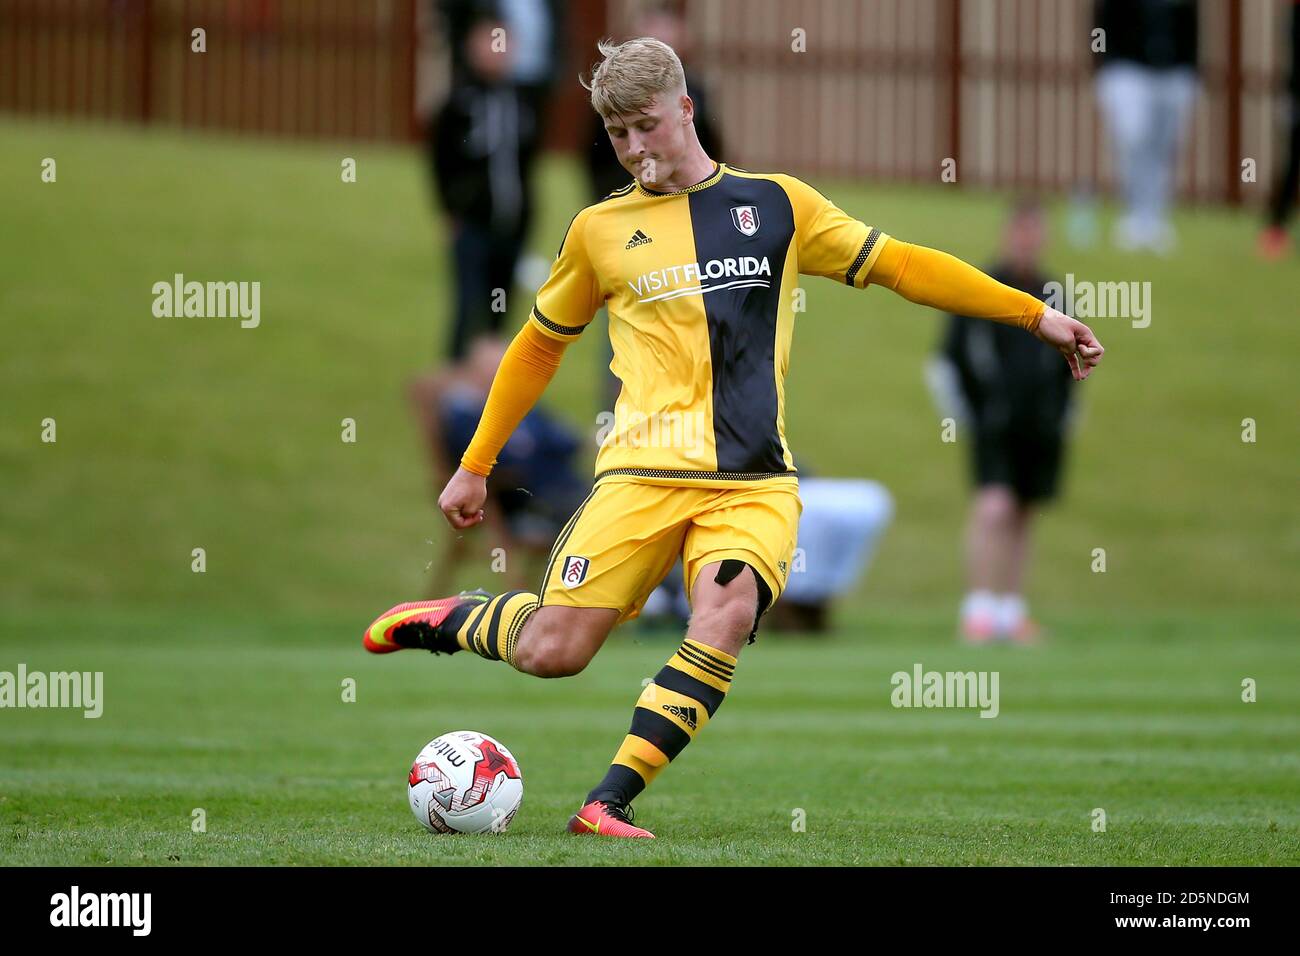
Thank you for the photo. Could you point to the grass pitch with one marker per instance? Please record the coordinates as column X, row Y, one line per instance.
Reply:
column 245, row 719
column 223, row 690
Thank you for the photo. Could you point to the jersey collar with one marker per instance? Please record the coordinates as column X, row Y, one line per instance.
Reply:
column 712, row 178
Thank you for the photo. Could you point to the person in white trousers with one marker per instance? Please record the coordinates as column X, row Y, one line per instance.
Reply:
column 1146, row 89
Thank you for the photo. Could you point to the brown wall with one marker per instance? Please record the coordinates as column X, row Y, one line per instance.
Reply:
column 329, row 68
column 890, row 88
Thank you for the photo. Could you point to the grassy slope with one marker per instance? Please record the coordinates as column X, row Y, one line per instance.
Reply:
column 223, row 687
column 183, row 433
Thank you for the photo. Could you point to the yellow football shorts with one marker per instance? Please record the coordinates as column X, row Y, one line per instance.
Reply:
column 627, row 535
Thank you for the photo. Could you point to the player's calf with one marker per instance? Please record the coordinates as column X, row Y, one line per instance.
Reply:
column 728, row 598
column 560, row 641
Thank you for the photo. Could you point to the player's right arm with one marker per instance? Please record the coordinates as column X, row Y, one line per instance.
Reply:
column 565, row 304
column 942, row 281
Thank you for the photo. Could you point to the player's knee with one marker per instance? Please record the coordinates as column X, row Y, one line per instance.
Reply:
column 544, row 651
column 730, row 615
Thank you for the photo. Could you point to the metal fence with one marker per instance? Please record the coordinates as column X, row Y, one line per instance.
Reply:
column 883, row 89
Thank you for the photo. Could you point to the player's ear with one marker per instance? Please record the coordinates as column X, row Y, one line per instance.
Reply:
column 688, row 108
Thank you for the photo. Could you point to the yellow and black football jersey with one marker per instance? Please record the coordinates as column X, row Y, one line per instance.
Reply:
column 699, row 285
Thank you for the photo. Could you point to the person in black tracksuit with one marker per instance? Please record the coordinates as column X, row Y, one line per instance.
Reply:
column 1014, row 394
column 482, row 144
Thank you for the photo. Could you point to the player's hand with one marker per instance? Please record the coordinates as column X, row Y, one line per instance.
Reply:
column 462, row 500
column 1072, row 339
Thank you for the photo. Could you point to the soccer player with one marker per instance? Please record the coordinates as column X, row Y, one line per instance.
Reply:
column 697, row 262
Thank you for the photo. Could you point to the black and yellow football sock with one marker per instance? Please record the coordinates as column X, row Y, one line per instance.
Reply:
column 491, row 629
column 672, row 709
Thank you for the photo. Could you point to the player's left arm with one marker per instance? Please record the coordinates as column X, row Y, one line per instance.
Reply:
column 942, row 281
column 833, row 244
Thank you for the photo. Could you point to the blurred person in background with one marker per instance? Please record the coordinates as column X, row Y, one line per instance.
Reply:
column 1011, row 394
column 841, row 525
column 535, row 486
column 1273, row 241
column 535, row 37
column 1146, row 87
column 663, row 20
column 483, row 143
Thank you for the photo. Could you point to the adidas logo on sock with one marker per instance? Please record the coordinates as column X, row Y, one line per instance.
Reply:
column 639, row 238
column 687, row 714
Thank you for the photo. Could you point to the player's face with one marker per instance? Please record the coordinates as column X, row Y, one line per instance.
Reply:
column 652, row 142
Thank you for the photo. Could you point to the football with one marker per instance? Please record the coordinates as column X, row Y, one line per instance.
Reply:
column 465, row 782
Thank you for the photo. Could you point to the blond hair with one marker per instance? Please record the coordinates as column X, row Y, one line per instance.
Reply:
column 632, row 74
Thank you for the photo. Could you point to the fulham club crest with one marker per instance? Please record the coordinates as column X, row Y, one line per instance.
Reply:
column 745, row 218
column 575, row 571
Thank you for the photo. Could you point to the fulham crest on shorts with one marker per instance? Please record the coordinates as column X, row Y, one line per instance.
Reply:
column 575, row 571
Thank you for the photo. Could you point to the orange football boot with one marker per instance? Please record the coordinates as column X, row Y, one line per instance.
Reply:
column 420, row 624
column 601, row 818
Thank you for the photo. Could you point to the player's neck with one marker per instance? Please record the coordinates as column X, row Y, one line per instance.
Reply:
column 696, row 168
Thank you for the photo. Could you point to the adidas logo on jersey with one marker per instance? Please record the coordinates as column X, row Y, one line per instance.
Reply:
column 686, row 714
column 639, row 238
